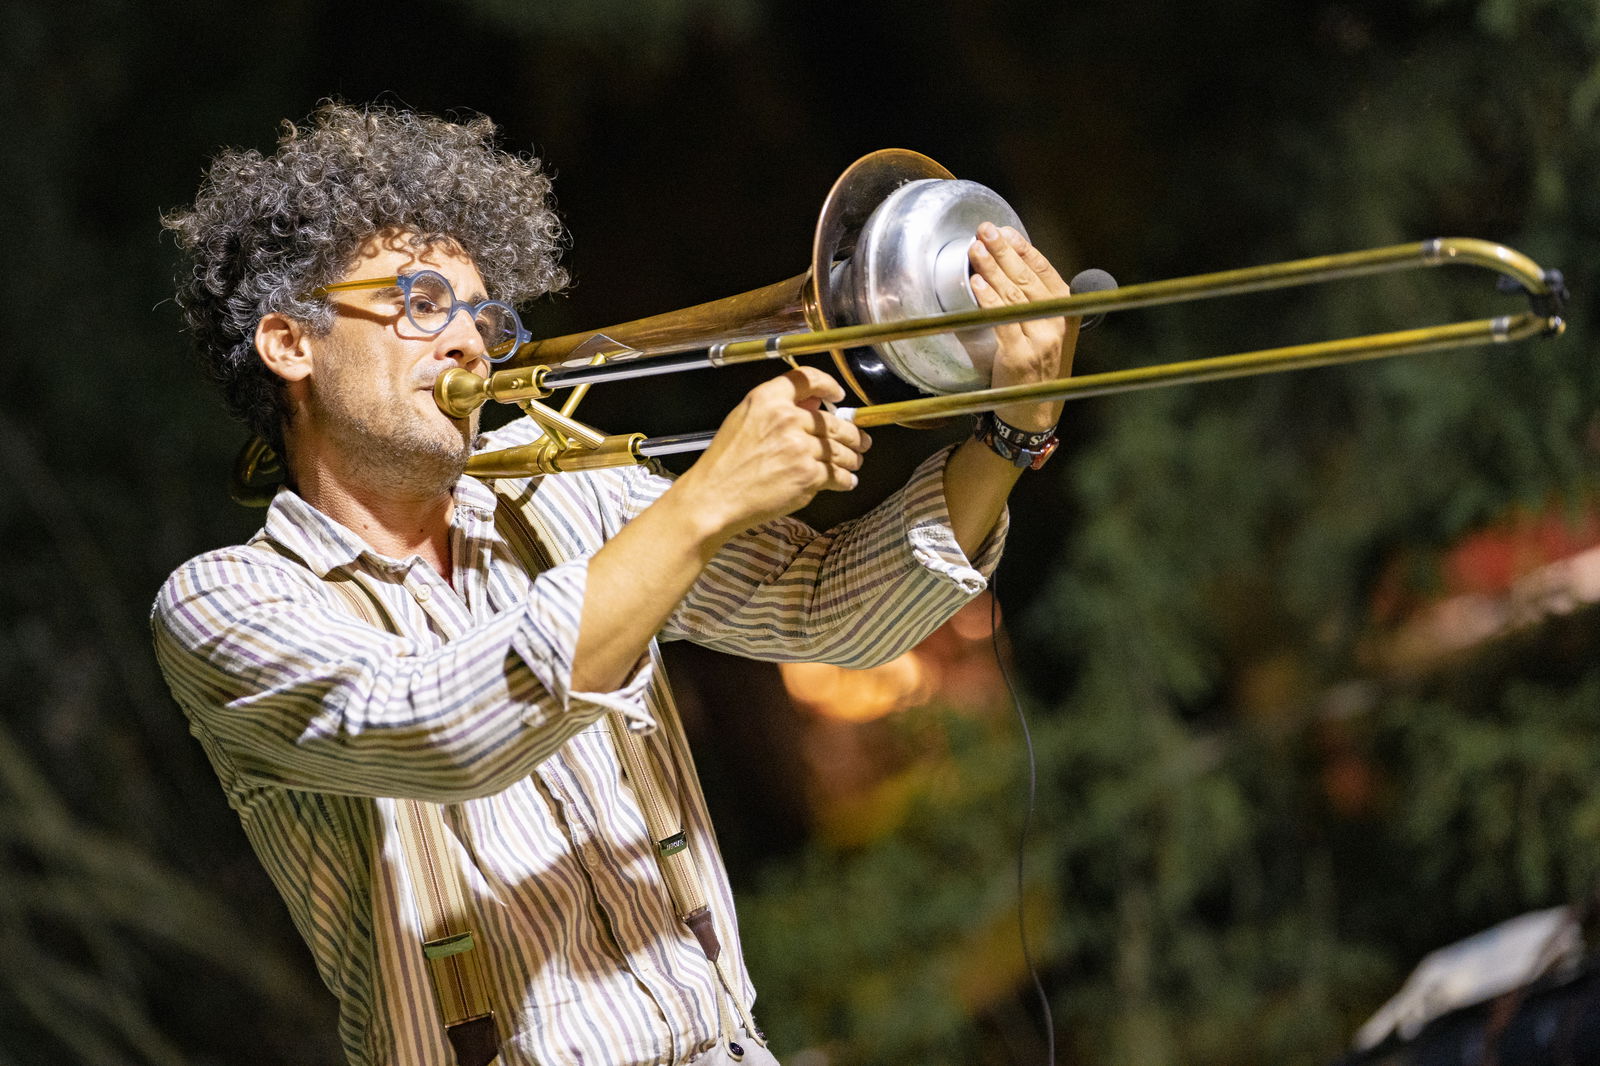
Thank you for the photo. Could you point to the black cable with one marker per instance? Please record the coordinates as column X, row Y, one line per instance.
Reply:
column 1027, row 822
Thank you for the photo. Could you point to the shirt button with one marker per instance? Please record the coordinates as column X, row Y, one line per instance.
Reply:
column 424, row 593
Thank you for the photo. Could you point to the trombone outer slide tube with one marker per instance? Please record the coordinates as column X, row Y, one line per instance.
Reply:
column 1245, row 364
column 1437, row 251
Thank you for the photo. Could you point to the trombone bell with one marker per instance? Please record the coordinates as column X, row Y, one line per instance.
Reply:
column 910, row 261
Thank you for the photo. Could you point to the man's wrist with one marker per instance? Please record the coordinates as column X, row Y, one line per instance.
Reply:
column 700, row 517
column 1031, row 418
column 1023, row 448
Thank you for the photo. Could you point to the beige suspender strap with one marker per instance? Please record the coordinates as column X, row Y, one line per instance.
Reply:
column 678, row 867
column 454, row 966
column 533, row 543
column 448, row 944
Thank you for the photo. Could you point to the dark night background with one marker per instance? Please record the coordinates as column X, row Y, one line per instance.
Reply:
column 1267, row 786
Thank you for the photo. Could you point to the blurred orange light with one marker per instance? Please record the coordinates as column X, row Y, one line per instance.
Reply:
column 859, row 695
column 974, row 621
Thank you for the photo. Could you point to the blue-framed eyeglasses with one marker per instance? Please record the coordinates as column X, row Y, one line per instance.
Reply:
column 431, row 303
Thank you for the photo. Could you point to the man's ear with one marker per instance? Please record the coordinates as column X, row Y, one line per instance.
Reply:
column 282, row 343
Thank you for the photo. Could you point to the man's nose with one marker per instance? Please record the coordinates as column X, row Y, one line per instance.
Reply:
column 462, row 341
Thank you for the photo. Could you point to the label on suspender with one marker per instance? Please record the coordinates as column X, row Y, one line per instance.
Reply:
column 444, row 947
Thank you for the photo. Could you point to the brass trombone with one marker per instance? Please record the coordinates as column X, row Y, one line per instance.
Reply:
column 887, row 296
column 892, row 236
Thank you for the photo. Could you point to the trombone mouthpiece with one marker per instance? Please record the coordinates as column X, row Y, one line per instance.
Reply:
column 459, row 392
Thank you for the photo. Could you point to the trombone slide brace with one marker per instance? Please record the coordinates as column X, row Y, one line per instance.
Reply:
column 548, row 455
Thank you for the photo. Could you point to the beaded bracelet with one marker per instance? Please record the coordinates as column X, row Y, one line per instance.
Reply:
column 1015, row 446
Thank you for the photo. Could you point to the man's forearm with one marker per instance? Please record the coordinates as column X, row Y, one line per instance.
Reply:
column 635, row 581
column 772, row 454
column 976, row 484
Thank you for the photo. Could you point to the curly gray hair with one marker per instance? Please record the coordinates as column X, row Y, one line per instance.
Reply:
column 266, row 230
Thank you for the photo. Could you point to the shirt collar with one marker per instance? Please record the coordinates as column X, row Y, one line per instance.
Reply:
column 324, row 545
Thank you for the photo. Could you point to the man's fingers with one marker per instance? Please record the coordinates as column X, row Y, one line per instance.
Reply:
column 832, row 428
column 987, row 266
column 1003, row 256
column 988, row 296
column 1041, row 267
column 821, row 424
column 839, row 453
column 1010, row 333
column 837, row 448
column 1009, row 270
column 1005, row 253
column 1004, row 247
column 839, row 466
column 805, row 383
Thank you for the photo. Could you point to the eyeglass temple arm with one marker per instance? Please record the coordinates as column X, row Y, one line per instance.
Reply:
column 346, row 286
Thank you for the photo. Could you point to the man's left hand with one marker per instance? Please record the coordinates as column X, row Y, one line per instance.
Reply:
column 1009, row 270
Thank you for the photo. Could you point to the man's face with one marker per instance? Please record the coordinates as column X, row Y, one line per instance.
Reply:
column 370, row 393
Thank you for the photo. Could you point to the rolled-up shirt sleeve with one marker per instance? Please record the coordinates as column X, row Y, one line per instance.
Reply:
column 285, row 685
column 549, row 641
column 856, row 595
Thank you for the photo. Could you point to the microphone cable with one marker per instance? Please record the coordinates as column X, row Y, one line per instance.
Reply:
column 1027, row 822
column 1085, row 281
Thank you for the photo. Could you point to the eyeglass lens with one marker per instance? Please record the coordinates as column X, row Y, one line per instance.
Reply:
column 431, row 301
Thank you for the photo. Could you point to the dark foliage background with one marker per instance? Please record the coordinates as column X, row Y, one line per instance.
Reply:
column 1249, row 828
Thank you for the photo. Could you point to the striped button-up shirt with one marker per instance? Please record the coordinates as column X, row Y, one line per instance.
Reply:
column 314, row 720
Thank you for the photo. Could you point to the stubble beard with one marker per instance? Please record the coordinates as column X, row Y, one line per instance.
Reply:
column 391, row 445
column 403, row 458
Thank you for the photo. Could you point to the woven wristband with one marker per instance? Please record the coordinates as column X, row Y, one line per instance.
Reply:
column 1016, row 446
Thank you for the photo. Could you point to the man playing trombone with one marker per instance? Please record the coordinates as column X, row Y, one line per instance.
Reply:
column 397, row 637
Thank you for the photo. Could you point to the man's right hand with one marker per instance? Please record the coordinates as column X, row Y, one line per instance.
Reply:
column 775, row 451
